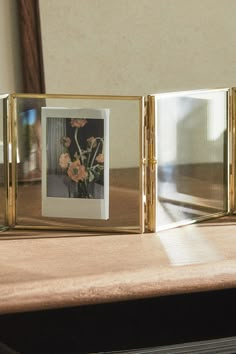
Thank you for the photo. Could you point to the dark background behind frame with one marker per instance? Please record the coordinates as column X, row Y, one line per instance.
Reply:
column 31, row 46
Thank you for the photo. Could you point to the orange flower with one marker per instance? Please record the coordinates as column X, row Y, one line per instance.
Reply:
column 78, row 123
column 100, row 158
column 76, row 171
column 64, row 160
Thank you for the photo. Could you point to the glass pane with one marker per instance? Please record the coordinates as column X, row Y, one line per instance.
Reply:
column 3, row 115
column 192, row 147
column 79, row 165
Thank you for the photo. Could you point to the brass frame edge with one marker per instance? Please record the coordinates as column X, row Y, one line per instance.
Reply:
column 142, row 175
column 76, row 96
column 232, row 126
column 13, row 165
column 6, row 158
column 151, row 165
column 144, row 163
column 80, row 228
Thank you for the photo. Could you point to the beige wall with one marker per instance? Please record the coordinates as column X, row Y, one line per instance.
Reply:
column 138, row 47
column 10, row 69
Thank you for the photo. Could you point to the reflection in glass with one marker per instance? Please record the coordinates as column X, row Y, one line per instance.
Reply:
column 124, row 161
column 29, row 139
column 192, row 155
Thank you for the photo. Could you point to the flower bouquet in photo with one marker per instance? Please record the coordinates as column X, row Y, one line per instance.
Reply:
column 82, row 161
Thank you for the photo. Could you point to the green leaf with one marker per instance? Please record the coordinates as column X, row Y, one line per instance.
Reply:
column 91, row 176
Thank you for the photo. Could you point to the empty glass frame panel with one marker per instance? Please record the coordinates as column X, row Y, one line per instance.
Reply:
column 79, row 162
column 192, row 150
column 3, row 187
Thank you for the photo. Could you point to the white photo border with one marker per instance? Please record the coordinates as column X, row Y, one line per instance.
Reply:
column 81, row 208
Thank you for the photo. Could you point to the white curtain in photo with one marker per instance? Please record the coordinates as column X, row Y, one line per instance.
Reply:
column 56, row 129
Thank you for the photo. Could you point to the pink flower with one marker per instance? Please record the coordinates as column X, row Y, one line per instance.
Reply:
column 66, row 141
column 78, row 123
column 100, row 158
column 92, row 141
column 64, row 160
column 77, row 172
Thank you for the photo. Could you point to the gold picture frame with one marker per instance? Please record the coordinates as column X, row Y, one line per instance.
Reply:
column 190, row 111
column 142, row 181
column 15, row 199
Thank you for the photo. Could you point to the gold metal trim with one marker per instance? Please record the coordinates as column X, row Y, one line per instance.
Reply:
column 142, row 174
column 75, row 96
column 80, row 228
column 144, row 162
column 5, row 160
column 13, row 164
column 150, row 163
column 233, row 149
column 228, row 150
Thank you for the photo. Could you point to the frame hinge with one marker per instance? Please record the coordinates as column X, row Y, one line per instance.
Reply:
column 150, row 162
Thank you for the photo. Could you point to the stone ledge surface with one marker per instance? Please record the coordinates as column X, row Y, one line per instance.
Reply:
column 41, row 271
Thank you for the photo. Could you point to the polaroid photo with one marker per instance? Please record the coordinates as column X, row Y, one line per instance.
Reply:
column 75, row 163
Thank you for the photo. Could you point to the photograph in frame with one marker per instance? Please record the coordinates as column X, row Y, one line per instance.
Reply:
column 75, row 163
